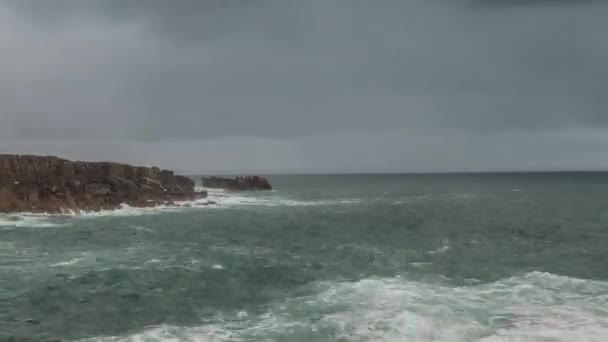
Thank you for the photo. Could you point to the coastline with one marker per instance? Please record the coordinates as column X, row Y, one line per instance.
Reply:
column 52, row 185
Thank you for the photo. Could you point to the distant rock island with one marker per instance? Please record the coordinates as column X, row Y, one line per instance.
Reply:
column 47, row 184
column 239, row 183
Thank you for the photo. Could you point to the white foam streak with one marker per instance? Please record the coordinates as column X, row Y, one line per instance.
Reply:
column 217, row 199
column 43, row 220
column 166, row 333
column 535, row 307
column 32, row 220
column 267, row 199
column 70, row 262
column 277, row 201
column 560, row 323
column 126, row 210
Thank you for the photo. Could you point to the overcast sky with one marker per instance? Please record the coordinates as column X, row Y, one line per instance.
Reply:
column 308, row 85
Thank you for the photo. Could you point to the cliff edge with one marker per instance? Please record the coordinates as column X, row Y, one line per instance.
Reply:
column 55, row 185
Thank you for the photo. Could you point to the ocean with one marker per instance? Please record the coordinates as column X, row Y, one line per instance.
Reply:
column 446, row 257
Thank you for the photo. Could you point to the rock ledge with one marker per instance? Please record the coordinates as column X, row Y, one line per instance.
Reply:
column 54, row 185
column 241, row 183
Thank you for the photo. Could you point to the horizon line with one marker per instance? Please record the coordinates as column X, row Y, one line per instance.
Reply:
column 396, row 173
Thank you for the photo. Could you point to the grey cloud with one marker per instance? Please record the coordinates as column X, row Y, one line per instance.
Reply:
column 294, row 72
column 515, row 3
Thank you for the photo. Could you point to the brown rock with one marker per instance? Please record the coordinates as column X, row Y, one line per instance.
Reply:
column 240, row 183
column 55, row 185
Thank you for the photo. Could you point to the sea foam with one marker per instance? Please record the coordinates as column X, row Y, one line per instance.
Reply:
column 217, row 199
column 33, row 220
column 533, row 307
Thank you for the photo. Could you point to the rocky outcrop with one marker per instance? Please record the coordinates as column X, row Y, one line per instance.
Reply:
column 54, row 185
column 245, row 183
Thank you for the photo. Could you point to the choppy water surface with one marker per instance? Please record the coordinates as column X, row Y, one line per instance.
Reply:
column 520, row 257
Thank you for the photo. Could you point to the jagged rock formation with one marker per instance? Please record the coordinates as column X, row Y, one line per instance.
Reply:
column 54, row 185
column 238, row 183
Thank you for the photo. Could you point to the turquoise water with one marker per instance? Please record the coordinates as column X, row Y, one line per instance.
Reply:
column 495, row 257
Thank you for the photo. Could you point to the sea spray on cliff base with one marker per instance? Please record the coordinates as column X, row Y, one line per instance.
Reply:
column 215, row 200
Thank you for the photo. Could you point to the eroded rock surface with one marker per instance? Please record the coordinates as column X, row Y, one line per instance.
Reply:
column 241, row 183
column 54, row 185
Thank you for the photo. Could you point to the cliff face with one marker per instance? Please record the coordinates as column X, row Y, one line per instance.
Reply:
column 238, row 183
column 51, row 184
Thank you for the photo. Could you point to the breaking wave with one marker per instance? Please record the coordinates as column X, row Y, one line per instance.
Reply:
column 217, row 199
column 33, row 220
column 44, row 220
column 277, row 201
column 533, row 307
column 126, row 210
column 268, row 199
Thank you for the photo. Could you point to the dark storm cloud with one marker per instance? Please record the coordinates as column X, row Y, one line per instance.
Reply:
column 390, row 74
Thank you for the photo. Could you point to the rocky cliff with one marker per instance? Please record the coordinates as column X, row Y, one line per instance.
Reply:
column 54, row 185
column 238, row 183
